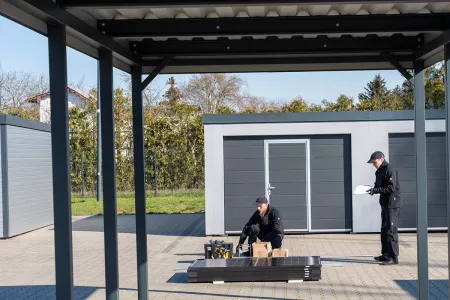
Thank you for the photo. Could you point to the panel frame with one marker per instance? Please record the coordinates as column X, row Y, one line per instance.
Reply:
column 306, row 142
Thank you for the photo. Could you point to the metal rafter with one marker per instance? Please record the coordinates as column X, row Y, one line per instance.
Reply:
column 290, row 60
column 276, row 46
column 277, row 25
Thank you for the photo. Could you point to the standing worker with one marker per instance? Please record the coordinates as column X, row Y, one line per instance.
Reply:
column 265, row 224
column 387, row 185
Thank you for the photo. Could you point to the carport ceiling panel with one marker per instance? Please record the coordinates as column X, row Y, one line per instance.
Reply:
column 233, row 27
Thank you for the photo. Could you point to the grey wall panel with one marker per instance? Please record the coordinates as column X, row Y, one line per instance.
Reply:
column 287, row 152
column 331, row 194
column 326, row 224
column 30, row 179
column 244, row 189
column 244, row 177
column 244, row 180
column 285, row 175
column 243, row 152
column 243, row 165
column 402, row 157
column 326, row 163
column 282, row 164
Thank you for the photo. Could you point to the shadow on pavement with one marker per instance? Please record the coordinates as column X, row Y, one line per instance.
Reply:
column 157, row 224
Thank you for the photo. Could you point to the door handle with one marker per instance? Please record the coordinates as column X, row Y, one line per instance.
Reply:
column 270, row 188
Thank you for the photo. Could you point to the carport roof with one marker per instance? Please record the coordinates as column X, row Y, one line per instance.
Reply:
column 247, row 36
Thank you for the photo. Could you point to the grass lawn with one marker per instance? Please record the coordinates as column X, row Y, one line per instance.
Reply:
column 166, row 202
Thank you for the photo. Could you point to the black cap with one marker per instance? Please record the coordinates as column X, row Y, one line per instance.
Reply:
column 262, row 200
column 375, row 155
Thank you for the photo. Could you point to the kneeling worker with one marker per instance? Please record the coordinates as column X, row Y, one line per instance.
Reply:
column 265, row 224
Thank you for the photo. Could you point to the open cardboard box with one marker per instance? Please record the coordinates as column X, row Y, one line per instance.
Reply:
column 262, row 249
column 280, row 252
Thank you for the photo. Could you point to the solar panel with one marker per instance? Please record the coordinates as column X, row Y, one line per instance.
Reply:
column 256, row 269
column 257, row 262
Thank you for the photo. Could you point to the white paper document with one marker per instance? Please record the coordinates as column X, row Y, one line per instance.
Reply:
column 362, row 189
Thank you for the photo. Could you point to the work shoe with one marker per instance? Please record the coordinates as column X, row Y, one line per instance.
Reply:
column 381, row 258
column 390, row 261
column 246, row 253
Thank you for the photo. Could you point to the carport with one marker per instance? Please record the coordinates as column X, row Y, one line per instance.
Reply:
column 183, row 36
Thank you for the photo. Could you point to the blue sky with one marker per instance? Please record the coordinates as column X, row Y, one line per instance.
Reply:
column 26, row 50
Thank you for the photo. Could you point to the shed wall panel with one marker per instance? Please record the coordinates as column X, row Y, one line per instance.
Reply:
column 29, row 179
column 403, row 158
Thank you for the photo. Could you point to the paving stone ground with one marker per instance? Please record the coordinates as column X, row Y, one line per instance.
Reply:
column 175, row 241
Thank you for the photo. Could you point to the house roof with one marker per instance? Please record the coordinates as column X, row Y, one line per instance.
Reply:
column 79, row 92
column 196, row 36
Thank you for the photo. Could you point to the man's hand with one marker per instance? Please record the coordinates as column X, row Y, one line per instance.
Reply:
column 370, row 191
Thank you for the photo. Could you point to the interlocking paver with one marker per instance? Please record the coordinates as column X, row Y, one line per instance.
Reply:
column 174, row 241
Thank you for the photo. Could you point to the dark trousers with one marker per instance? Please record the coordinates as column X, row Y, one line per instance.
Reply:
column 273, row 237
column 389, row 232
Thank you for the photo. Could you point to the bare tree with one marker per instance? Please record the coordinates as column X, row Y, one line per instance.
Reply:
column 151, row 95
column 16, row 87
column 212, row 91
column 254, row 104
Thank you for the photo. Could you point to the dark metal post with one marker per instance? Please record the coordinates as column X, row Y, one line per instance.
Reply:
column 62, row 210
column 139, row 184
column 82, row 175
column 99, row 140
column 421, row 179
column 109, row 175
column 156, row 173
column 447, row 137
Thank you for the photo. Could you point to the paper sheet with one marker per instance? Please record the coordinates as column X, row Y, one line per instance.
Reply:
column 361, row 189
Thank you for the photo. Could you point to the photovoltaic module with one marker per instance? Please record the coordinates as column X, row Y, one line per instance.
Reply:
column 256, row 269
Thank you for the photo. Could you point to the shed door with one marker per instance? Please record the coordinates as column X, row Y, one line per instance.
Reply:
column 287, row 184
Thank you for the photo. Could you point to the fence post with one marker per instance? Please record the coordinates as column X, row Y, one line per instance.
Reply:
column 82, row 175
column 156, row 173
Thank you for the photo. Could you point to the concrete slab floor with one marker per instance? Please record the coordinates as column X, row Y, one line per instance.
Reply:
column 175, row 241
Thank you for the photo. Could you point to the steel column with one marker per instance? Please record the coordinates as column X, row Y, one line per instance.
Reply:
column 447, row 132
column 421, row 179
column 139, row 183
column 62, row 211
column 109, row 175
column 99, row 140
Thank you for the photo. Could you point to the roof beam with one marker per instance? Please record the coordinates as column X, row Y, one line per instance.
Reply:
column 274, row 46
column 277, row 25
column 53, row 12
column 190, row 3
column 405, row 59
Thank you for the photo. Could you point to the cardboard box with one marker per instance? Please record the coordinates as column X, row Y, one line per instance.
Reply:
column 262, row 249
column 280, row 252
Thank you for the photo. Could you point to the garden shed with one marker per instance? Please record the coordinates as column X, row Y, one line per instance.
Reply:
column 26, row 198
column 308, row 164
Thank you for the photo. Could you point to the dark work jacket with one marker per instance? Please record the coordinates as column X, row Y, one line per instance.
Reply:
column 387, row 185
column 271, row 221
